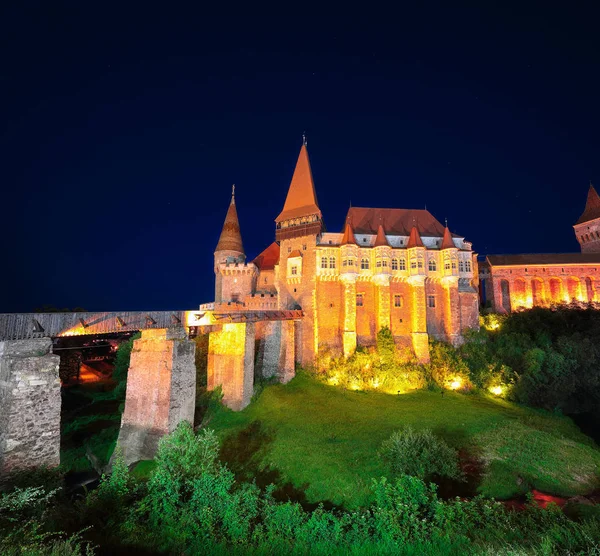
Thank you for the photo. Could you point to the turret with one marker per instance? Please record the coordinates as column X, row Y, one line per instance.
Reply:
column 233, row 279
column 450, row 254
column 416, row 252
column 349, row 250
column 382, row 252
column 587, row 227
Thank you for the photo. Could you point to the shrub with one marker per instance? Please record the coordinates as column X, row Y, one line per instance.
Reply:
column 419, row 454
column 446, row 368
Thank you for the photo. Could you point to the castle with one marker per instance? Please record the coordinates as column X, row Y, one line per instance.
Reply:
column 510, row 282
column 396, row 268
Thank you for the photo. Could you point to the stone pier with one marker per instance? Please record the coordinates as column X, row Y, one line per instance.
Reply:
column 275, row 350
column 29, row 405
column 161, row 391
column 231, row 362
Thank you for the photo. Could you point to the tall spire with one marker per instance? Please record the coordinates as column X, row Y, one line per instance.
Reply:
column 592, row 206
column 231, row 238
column 447, row 242
column 301, row 199
column 348, row 237
column 414, row 240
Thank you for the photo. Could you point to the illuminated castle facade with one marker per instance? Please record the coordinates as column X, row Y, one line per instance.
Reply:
column 510, row 282
column 396, row 268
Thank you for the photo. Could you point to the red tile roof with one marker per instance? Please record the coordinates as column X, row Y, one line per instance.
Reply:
column 414, row 240
column 231, row 238
column 294, row 253
column 301, row 199
column 348, row 237
column 268, row 258
column 447, row 242
column 592, row 207
column 397, row 222
column 381, row 240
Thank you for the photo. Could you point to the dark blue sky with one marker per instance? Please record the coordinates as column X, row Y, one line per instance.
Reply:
column 122, row 130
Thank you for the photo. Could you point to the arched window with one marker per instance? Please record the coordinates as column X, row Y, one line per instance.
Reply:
column 364, row 264
column 331, row 262
column 402, row 264
column 432, row 265
column 394, row 264
column 323, row 262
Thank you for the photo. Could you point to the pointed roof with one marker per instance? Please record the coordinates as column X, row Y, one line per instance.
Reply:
column 301, row 199
column 348, row 237
column 268, row 258
column 231, row 238
column 447, row 242
column 592, row 207
column 381, row 240
column 414, row 240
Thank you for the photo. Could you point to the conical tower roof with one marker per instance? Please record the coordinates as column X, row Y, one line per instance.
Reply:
column 447, row 242
column 231, row 238
column 592, row 207
column 301, row 199
column 414, row 240
column 381, row 240
column 348, row 237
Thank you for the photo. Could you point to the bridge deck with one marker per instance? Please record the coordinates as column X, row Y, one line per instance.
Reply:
column 22, row 326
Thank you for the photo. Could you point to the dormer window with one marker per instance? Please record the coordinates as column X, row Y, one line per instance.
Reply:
column 294, row 270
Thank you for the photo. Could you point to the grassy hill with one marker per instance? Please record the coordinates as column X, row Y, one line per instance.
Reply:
column 323, row 440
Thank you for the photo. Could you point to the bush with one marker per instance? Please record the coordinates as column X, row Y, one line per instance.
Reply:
column 446, row 368
column 419, row 454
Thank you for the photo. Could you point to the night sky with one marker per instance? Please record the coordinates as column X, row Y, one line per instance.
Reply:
column 121, row 133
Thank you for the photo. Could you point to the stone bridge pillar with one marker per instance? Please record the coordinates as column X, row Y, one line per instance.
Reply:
column 29, row 405
column 275, row 353
column 231, row 363
column 161, row 391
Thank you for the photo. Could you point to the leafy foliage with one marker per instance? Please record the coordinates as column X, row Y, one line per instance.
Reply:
column 420, row 454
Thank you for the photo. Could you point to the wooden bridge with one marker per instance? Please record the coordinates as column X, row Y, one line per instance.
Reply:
column 23, row 326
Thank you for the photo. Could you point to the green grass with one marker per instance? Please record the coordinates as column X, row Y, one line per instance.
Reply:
column 324, row 439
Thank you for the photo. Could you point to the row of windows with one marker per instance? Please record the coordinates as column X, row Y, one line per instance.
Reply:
column 398, row 300
column 397, row 264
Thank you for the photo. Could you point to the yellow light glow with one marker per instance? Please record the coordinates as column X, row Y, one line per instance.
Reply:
column 354, row 385
column 376, row 383
column 333, row 380
column 456, row 383
column 496, row 390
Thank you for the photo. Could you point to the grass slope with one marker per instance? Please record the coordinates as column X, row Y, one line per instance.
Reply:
column 325, row 439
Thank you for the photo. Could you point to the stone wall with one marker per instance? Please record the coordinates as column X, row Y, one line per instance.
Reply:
column 161, row 391
column 29, row 405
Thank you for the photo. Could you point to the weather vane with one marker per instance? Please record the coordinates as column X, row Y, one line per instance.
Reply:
column 304, row 142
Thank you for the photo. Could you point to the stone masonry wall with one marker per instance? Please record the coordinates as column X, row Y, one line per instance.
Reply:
column 29, row 405
column 161, row 391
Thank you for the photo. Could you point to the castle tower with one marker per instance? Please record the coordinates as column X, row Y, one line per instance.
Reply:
column 450, row 278
column 381, row 278
column 297, row 228
column 587, row 228
column 233, row 278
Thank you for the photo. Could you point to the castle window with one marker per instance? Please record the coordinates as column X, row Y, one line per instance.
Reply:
column 345, row 262
column 384, row 262
column 432, row 265
column 398, row 301
column 265, row 279
column 349, row 262
column 431, row 301
column 461, row 266
column 420, row 263
column 359, row 300
column 453, row 265
column 413, row 264
column 331, row 262
column 378, row 263
column 468, row 266
column 394, row 264
column 323, row 262
column 289, row 249
column 402, row 264
column 304, row 247
column 294, row 270
column 447, row 265
column 364, row 240
column 364, row 264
